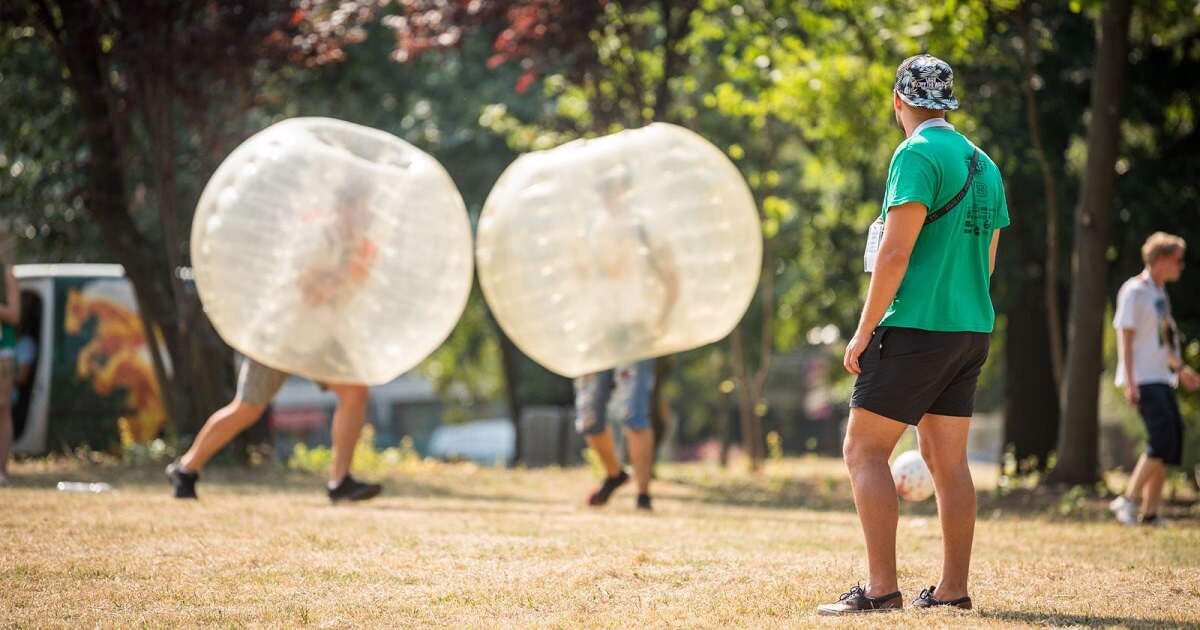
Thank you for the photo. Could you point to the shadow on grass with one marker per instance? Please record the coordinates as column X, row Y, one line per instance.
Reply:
column 781, row 493
column 1068, row 620
column 478, row 506
column 821, row 492
column 831, row 494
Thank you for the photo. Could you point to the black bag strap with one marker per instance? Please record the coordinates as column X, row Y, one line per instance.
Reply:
column 941, row 212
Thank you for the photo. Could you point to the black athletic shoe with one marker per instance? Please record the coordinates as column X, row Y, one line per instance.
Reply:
column 610, row 485
column 856, row 601
column 643, row 503
column 183, row 482
column 353, row 490
column 927, row 600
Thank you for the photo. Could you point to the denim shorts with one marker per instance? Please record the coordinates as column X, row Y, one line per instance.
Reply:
column 626, row 386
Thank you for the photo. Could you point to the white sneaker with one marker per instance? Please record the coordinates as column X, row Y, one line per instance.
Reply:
column 1124, row 509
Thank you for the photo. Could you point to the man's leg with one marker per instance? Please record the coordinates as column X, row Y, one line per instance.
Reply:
column 220, row 428
column 1155, row 478
column 1164, row 428
column 1137, row 480
column 7, row 371
column 591, row 418
column 870, row 439
column 943, row 443
column 257, row 385
column 348, row 421
column 641, row 455
column 634, row 385
column 592, row 392
column 6, row 440
column 602, row 444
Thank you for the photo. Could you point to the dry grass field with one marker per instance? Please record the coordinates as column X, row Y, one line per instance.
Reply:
column 465, row 547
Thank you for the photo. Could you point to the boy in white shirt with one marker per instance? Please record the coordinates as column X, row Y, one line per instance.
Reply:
column 1149, row 367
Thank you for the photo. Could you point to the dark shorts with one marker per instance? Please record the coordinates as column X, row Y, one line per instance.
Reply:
column 907, row 373
column 1164, row 424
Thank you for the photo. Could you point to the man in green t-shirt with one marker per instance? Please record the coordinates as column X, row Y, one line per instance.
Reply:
column 923, row 335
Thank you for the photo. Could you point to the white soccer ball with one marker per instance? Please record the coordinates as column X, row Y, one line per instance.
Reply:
column 913, row 480
column 331, row 250
column 603, row 252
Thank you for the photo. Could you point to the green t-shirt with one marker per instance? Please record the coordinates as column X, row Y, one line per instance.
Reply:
column 946, row 287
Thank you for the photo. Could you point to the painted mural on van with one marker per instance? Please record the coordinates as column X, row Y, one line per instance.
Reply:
column 114, row 358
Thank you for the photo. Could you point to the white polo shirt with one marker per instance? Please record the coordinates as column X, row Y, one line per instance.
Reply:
column 1144, row 307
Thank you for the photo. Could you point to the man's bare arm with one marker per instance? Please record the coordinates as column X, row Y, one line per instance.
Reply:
column 992, row 253
column 900, row 231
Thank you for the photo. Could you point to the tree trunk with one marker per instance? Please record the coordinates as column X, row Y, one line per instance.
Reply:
column 751, row 423
column 1031, row 409
column 1050, row 277
column 108, row 198
column 509, row 364
column 1078, row 440
column 144, row 260
column 675, row 28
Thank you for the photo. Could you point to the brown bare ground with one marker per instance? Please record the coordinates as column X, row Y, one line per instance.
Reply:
column 467, row 547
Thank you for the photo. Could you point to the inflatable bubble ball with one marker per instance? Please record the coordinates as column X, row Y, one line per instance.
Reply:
column 332, row 251
column 603, row 252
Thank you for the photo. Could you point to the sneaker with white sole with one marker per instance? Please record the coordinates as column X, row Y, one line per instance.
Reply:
column 1124, row 509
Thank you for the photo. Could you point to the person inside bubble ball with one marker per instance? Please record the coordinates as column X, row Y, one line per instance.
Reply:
column 633, row 271
column 341, row 256
column 637, row 284
column 342, row 250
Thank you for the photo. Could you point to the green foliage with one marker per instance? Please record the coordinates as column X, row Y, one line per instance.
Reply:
column 367, row 459
column 40, row 179
column 774, row 447
column 1074, row 501
column 134, row 453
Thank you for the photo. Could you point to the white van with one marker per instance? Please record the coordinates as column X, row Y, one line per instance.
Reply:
column 89, row 364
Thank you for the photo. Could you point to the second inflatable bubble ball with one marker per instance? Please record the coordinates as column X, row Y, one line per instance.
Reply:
column 602, row 252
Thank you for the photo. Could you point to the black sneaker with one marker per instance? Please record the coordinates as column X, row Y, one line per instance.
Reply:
column 1153, row 520
column 183, row 482
column 927, row 600
column 643, row 503
column 351, row 489
column 856, row 601
column 610, row 485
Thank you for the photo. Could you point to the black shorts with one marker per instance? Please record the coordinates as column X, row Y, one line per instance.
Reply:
column 1164, row 424
column 908, row 372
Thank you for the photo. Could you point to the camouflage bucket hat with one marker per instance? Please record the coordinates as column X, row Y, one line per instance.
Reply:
column 926, row 81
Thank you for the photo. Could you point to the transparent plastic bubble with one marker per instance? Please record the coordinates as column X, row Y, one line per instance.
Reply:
column 913, row 479
column 332, row 251
column 606, row 251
